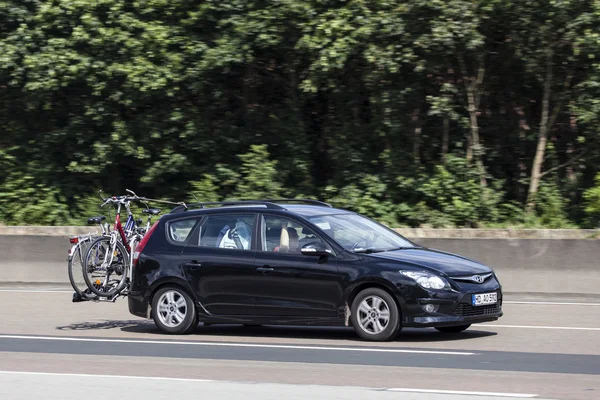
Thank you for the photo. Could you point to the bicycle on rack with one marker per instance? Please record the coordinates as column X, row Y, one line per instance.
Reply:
column 110, row 255
column 80, row 244
column 107, row 258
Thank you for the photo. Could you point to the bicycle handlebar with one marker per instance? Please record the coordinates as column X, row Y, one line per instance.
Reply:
column 136, row 198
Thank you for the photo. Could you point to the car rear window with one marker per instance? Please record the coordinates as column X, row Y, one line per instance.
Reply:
column 179, row 231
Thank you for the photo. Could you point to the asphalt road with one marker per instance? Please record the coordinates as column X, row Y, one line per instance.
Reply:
column 55, row 349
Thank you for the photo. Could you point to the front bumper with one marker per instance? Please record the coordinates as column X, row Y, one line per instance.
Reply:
column 452, row 309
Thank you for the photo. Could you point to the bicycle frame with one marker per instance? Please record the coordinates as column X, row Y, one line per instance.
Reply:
column 129, row 226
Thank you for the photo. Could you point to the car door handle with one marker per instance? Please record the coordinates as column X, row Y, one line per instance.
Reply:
column 265, row 270
column 193, row 265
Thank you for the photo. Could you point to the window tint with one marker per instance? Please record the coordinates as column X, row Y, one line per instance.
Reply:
column 227, row 231
column 286, row 236
column 180, row 230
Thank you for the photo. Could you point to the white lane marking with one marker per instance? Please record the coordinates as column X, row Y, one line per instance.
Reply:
column 36, row 291
column 158, row 378
column 269, row 346
column 569, row 328
column 491, row 394
column 551, row 303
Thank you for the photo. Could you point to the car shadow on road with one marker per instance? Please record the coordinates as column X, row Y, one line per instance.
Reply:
column 108, row 324
column 408, row 335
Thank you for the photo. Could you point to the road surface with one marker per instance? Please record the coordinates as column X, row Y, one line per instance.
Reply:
column 52, row 348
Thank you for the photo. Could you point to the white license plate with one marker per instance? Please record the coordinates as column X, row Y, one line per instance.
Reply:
column 484, row 298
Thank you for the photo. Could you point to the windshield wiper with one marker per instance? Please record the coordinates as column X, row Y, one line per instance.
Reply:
column 402, row 248
column 368, row 250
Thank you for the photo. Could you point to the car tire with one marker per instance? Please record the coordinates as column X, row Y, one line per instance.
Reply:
column 368, row 315
column 173, row 310
column 452, row 329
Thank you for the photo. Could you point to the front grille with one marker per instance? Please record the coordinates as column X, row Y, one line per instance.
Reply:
column 477, row 278
column 467, row 310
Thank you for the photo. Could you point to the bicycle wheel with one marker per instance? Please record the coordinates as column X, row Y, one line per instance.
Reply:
column 105, row 274
column 75, row 268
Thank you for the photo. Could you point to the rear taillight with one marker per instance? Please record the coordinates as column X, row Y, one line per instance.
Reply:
column 140, row 247
column 74, row 240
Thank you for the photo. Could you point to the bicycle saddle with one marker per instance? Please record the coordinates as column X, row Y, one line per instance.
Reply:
column 151, row 211
column 96, row 220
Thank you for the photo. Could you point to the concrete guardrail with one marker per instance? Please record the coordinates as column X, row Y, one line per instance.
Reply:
column 562, row 263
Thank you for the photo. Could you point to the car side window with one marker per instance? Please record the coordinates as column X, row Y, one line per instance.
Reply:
column 284, row 235
column 180, row 230
column 231, row 231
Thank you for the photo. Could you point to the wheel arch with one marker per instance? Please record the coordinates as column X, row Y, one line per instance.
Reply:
column 166, row 281
column 374, row 282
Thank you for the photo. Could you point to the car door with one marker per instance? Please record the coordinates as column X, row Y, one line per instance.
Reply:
column 219, row 263
column 291, row 284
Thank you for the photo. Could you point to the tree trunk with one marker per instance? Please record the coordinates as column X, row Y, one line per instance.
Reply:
column 473, row 89
column 469, row 148
column 536, row 169
column 445, row 137
column 417, row 136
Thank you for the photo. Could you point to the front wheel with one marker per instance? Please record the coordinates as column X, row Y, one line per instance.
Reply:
column 452, row 329
column 173, row 310
column 375, row 315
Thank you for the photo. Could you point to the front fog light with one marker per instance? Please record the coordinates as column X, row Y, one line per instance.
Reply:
column 430, row 308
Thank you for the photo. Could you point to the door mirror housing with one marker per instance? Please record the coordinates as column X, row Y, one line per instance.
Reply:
column 315, row 249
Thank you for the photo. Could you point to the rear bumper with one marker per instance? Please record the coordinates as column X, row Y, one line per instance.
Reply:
column 138, row 306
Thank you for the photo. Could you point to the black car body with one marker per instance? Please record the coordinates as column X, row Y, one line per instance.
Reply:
column 233, row 263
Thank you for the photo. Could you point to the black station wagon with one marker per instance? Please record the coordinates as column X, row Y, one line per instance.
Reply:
column 301, row 262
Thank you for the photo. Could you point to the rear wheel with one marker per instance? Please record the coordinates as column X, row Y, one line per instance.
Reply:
column 105, row 274
column 75, row 270
column 173, row 310
column 452, row 329
column 375, row 315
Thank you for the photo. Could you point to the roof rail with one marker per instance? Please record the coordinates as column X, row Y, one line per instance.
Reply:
column 267, row 203
column 228, row 204
column 307, row 201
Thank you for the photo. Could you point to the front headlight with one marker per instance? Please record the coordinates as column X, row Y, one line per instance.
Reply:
column 427, row 280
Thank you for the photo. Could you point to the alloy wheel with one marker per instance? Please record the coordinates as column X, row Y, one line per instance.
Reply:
column 373, row 315
column 172, row 308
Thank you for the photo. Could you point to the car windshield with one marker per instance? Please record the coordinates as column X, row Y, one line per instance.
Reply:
column 360, row 234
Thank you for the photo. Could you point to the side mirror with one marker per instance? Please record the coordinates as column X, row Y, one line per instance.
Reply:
column 315, row 249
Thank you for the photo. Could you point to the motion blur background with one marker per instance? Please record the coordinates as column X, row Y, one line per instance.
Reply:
column 420, row 113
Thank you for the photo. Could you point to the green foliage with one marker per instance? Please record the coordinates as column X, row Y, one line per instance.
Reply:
column 592, row 200
column 551, row 207
column 205, row 190
column 368, row 196
column 350, row 102
column 258, row 175
column 451, row 195
column 27, row 202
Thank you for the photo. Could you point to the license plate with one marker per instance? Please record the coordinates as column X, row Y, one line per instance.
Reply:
column 484, row 298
